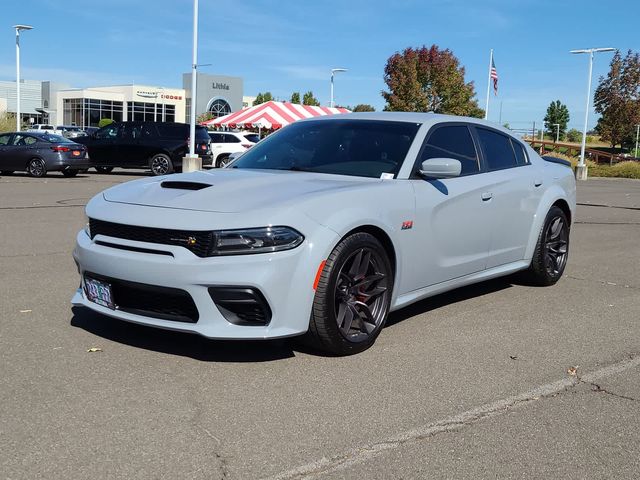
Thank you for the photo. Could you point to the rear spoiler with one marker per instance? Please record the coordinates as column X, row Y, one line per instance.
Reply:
column 561, row 161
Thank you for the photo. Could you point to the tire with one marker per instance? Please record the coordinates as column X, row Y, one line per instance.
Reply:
column 352, row 298
column 6, row 172
column 222, row 160
column 160, row 164
column 103, row 169
column 70, row 173
column 552, row 250
column 36, row 168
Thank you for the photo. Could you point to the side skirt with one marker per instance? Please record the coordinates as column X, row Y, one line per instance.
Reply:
column 499, row 271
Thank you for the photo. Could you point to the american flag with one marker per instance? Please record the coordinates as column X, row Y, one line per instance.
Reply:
column 494, row 76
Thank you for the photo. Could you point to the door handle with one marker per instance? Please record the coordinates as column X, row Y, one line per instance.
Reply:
column 486, row 196
column 537, row 183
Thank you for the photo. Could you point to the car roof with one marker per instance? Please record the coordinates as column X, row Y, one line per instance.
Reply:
column 412, row 117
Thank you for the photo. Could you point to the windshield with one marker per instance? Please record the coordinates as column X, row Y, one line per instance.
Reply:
column 364, row 148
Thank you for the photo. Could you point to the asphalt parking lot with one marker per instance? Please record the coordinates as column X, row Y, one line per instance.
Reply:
column 475, row 383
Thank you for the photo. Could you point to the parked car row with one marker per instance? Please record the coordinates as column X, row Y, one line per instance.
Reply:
column 66, row 131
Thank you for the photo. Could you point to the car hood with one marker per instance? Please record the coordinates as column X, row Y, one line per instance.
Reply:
column 230, row 190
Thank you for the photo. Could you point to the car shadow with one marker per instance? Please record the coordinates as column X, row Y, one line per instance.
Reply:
column 179, row 343
column 448, row 298
column 238, row 351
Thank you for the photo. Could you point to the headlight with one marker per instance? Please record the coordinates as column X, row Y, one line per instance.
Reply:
column 255, row 240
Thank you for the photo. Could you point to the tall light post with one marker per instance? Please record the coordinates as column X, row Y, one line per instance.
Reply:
column 635, row 152
column 18, row 28
column 333, row 72
column 557, row 125
column 194, row 83
column 581, row 170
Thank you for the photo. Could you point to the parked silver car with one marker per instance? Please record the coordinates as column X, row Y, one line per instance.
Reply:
column 70, row 131
column 325, row 227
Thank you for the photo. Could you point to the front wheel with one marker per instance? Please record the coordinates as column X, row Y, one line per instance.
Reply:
column 161, row 164
column 353, row 296
column 552, row 250
column 36, row 168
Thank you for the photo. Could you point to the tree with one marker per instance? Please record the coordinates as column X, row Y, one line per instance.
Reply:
column 363, row 107
column 617, row 99
column 557, row 113
column 428, row 79
column 104, row 122
column 263, row 98
column 295, row 97
column 574, row 135
column 309, row 99
column 203, row 117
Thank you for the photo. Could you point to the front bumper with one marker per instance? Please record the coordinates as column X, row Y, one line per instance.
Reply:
column 285, row 279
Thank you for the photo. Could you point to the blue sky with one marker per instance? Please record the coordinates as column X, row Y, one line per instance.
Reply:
column 290, row 45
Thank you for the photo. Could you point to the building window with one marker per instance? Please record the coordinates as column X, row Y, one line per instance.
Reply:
column 219, row 107
column 87, row 112
column 150, row 112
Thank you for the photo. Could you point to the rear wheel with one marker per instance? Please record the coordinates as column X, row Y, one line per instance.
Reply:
column 552, row 250
column 70, row 173
column 104, row 169
column 352, row 297
column 36, row 168
column 161, row 164
column 222, row 160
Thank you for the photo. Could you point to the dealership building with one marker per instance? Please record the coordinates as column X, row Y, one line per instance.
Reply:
column 59, row 104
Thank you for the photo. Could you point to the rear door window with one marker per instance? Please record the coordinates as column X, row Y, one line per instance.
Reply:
column 521, row 156
column 23, row 140
column 231, row 138
column 497, row 149
column 216, row 138
column 452, row 141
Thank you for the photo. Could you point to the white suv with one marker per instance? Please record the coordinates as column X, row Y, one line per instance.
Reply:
column 224, row 144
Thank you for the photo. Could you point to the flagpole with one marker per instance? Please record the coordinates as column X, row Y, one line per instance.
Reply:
column 486, row 109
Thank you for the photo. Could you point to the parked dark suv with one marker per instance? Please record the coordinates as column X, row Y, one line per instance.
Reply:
column 158, row 146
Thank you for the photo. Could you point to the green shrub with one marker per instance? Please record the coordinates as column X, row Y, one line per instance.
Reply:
column 574, row 135
column 7, row 123
column 104, row 122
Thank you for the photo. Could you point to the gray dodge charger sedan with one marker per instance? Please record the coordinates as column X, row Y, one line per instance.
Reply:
column 325, row 227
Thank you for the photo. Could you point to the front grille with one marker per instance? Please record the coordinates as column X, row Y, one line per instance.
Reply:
column 150, row 300
column 198, row 242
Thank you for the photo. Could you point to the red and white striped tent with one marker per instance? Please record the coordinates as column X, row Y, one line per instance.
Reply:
column 272, row 115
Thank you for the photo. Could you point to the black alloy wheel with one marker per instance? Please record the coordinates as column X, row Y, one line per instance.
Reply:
column 552, row 250
column 353, row 296
column 556, row 246
column 161, row 164
column 36, row 168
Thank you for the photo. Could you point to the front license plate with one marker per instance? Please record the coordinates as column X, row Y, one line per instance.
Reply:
column 99, row 292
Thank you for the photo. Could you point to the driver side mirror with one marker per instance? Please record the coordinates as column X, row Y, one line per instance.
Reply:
column 440, row 168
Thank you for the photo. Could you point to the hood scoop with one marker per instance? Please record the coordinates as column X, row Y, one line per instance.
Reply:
column 182, row 185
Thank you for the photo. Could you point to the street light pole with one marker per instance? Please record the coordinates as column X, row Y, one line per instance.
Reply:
column 334, row 71
column 581, row 170
column 194, row 83
column 635, row 152
column 557, row 125
column 18, row 29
